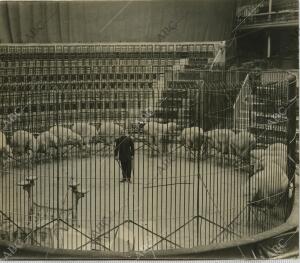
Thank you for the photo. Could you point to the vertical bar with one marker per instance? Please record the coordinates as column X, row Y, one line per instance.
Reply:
column 270, row 8
column 57, row 175
column 268, row 44
column 249, row 173
column 198, row 175
column 291, row 136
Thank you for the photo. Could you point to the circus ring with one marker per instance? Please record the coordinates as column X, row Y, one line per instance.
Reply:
column 123, row 226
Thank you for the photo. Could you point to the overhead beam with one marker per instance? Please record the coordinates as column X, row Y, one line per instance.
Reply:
column 294, row 23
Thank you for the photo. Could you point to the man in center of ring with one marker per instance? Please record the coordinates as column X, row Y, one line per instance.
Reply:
column 124, row 151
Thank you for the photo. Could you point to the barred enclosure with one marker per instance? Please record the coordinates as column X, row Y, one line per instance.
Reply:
column 214, row 153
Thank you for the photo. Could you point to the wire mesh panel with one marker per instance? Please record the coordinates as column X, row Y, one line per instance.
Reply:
column 122, row 148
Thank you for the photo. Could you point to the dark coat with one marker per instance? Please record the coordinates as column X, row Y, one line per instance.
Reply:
column 125, row 148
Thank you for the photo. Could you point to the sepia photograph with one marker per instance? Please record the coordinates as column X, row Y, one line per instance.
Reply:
column 149, row 129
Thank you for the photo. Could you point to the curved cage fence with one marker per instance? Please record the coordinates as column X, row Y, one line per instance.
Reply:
column 213, row 156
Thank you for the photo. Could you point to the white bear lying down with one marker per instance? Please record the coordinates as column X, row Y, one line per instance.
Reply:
column 23, row 141
column 156, row 131
column 109, row 132
column 242, row 143
column 45, row 140
column 86, row 131
column 5, row 150
column 65, row 136
column 192, row 137
column 275, row 153
column 220, row 139
column 268, row 186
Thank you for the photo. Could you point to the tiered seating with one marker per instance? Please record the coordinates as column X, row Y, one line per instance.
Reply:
column 63, row 83
column 180, row 102
column 269, row 104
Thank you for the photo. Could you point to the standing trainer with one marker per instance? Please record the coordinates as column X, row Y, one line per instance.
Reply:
column 124, row 151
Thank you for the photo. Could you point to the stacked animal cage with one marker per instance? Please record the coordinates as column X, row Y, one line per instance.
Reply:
column 192, row 184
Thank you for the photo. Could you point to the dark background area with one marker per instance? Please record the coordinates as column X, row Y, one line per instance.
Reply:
column 115, row 21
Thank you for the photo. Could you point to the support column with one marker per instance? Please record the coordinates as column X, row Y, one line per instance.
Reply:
column 268, row 33
column 269, row 45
